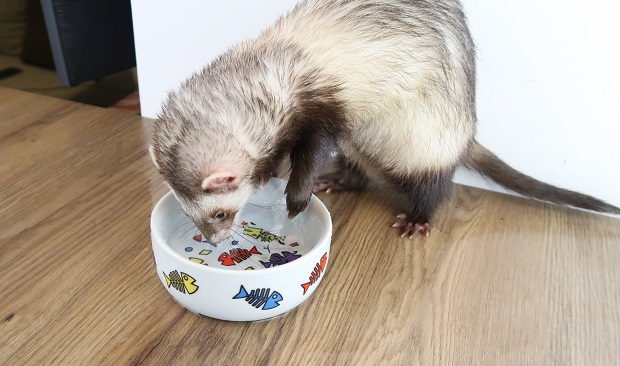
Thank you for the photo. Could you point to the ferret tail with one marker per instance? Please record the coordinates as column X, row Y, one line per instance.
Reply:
column 488, row 164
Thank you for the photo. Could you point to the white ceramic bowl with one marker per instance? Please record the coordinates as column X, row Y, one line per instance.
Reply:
column 268, row 266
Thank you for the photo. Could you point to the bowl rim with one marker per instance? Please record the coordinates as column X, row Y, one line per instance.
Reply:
column 162, row 244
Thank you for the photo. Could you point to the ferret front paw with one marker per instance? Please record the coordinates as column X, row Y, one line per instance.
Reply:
column 295, row 207
column 411, row 228
column 297, row 198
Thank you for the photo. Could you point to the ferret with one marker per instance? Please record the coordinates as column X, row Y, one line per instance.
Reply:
column 388, row 84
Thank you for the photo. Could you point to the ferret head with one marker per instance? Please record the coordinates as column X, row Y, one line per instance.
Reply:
column 211, row 198
column 214, row 139
column 205, row 159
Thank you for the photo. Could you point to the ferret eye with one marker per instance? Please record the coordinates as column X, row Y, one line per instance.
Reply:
column 220, row 216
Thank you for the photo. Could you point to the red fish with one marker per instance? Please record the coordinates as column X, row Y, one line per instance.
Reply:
column 316, row 273
column 236, row 256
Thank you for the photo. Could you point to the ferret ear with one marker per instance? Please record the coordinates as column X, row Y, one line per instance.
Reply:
column 154, row 156
column 222, row 180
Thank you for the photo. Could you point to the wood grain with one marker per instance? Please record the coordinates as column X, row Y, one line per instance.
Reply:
column 500, row 281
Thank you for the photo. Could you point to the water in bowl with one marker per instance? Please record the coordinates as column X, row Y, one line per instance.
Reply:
column 263, row 238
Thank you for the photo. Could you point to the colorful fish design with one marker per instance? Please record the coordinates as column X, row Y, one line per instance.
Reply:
column 236, row 255
column 316, row 273
column 260, row 234
column 277, row 259
column 260, row 297
column 182, row 282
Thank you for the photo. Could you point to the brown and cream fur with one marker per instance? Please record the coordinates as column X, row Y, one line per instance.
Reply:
column 390, row 84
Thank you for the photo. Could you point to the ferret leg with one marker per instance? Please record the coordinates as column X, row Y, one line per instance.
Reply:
column 339, row 175
column 308, row 156
column 315, row 128
column 421, row 196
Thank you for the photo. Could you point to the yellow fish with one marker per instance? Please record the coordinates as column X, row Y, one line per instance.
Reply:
column 258, row 233
column 182, row 282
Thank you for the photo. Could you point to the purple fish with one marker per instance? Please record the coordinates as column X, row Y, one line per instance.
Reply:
column 277, row 259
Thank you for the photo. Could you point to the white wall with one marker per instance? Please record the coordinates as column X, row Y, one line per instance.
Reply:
column 548, row 76
column 175, row 38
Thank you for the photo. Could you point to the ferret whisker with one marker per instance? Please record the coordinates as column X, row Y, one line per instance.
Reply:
column 172, row 212
column 239, row 234
column 178, row 232
column 186, row 223
column 189, row 229
column 267, row 206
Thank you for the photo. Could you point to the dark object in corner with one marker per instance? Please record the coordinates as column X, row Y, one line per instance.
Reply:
column 36, row 46
column 90, row 39
column 9, row 71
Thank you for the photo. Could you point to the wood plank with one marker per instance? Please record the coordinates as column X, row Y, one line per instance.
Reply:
column 60, row 156
column 500, row 281
column 16, row 109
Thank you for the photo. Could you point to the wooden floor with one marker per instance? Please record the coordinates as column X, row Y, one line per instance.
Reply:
column 500, row 281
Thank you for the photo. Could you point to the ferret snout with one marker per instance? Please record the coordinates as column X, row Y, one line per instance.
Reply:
column 214, row 233
column 219, row 236
column 215, row 227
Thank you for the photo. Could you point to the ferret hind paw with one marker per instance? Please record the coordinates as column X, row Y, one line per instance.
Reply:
column 346, row 179
column 327, row 186
column 411, row 229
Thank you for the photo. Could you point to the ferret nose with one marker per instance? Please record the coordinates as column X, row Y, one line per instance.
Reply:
column 218, row 237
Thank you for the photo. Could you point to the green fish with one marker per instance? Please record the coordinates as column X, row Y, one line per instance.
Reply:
column 182, row 282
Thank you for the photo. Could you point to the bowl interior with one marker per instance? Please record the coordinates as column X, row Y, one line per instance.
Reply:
column 263, row 237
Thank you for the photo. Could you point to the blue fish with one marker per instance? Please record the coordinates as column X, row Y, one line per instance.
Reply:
column 277, row 259
column 260, row 297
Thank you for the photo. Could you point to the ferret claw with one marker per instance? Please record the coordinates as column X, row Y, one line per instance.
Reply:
column 401, row 221
column 411, row 229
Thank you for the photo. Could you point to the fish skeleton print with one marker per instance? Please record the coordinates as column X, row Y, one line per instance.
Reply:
column 236, row 255
column 261, row 234
column 316, row 273
column 260, row 297
column 277, row 259
column 182, row 282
